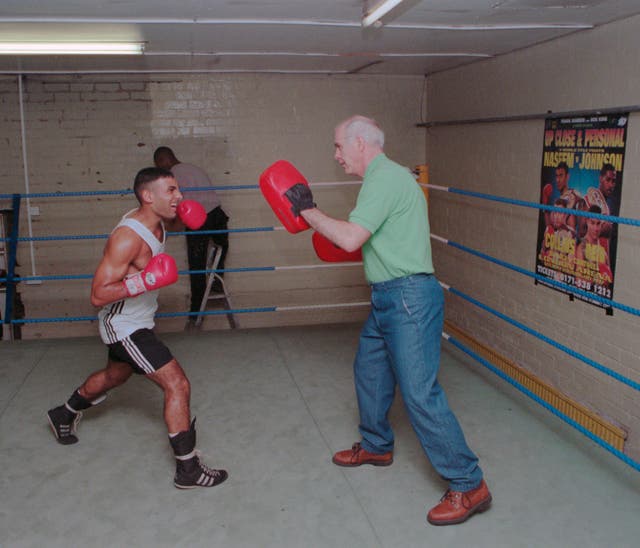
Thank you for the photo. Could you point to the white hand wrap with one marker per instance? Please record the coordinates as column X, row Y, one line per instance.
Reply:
column 134, row 284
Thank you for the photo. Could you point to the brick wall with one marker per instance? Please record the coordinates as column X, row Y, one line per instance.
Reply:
column 588, row 70
column 86, row 133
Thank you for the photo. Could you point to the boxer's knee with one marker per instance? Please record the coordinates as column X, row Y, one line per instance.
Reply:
column 181, row 386
column 172, row 379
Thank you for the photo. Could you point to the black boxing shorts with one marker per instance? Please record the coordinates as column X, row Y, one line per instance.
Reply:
column 142, row 350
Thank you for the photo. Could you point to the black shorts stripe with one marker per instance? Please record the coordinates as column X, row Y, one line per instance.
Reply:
column 142, row 350
column 136, row 355
column 114, row 310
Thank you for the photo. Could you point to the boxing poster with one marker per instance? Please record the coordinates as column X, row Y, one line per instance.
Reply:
column 582, row 168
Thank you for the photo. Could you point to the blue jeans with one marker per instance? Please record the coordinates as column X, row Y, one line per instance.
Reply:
column 400, row 344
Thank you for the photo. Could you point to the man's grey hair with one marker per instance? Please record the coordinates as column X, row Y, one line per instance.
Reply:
column 365, row 128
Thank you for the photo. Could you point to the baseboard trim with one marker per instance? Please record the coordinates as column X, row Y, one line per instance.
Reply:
column 610, row 433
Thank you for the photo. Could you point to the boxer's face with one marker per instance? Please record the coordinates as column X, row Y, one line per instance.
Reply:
column 166, row 196
column 608, row 183
column 557, row 218
column 562, row 178
column 593, row 228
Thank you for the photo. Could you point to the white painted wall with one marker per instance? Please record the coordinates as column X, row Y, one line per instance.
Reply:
column 593, row 69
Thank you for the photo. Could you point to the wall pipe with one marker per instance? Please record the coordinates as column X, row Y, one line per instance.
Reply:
column 291, row 22
column 25, row 165
column 520, row 117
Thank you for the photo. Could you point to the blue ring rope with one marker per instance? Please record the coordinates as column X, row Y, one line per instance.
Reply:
column 524, row 203
column 567, row 288
column 105, row 236
column 626, row 459
column 159, row 315
column 608, row 218
column 453, row 190
column 180, row 272
column 71, row 194
column 119, row 192
column 218, row 312
column 548, row 340
column 130, row 191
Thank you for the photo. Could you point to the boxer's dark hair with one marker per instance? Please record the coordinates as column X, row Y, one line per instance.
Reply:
column 164, row 152
column 146, row 176
column 564, row 166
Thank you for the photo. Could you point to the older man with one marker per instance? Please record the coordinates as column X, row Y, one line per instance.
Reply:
column 400, row 341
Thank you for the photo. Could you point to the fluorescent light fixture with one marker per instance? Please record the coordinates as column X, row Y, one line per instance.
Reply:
column 71, row 48
column 373, row 16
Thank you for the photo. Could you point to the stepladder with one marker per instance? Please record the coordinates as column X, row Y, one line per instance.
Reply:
column 211, row 297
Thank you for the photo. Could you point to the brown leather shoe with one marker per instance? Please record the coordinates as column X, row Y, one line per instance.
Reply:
column 457, row 506
column 357, row 456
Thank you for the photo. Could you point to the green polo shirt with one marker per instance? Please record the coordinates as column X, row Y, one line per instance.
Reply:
column 392, row 206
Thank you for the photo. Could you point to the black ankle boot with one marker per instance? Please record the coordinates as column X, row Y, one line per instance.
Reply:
column 190, row 472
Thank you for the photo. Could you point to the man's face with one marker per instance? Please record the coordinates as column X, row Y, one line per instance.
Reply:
column 608, row 183
column 562, row 179
column 165, row 197
column 347, row 153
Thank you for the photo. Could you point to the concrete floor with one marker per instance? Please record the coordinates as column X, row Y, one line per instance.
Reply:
column 273, row 405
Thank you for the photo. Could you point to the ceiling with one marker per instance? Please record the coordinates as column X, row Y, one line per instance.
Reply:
column 293, row 36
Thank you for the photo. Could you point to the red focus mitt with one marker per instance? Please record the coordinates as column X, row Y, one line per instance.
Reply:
column 192, row 214
column 329, row 252
column 278, row 179
column 160, row 271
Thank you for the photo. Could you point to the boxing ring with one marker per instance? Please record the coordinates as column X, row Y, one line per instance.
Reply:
column 315, row 414
column 607, row 436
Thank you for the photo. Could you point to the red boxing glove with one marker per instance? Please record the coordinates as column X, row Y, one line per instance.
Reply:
column 160, row 271
column 275, row 181
column 192, row 214
column 329, row 252
column 547, row 191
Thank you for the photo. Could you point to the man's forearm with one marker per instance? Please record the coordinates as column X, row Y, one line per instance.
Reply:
column 344, row 234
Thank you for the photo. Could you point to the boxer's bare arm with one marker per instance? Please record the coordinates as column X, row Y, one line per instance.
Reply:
column 345, row 234
column 123, row 254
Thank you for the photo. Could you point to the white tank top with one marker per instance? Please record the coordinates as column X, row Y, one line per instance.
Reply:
column 118, row 320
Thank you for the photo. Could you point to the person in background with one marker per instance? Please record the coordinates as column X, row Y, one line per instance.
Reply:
column 191, row 176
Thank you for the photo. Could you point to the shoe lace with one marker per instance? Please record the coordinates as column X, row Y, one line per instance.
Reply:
column 356, row 448
column 456, row 499
column 206, row 469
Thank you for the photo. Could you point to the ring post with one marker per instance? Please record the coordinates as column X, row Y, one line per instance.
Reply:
column 422, row 171
column 7, row 328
